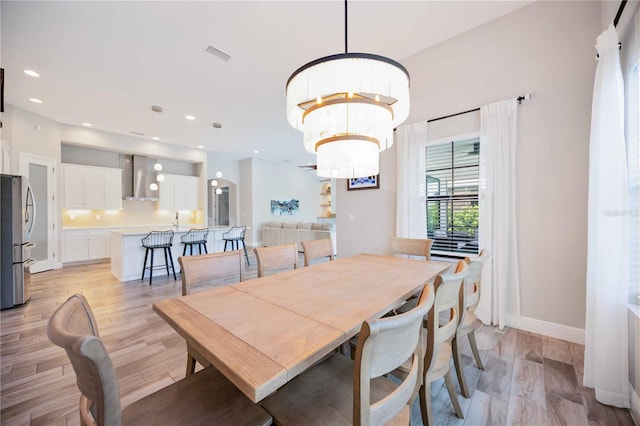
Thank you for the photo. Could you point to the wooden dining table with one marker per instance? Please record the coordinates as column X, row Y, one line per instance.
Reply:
column 263, row 332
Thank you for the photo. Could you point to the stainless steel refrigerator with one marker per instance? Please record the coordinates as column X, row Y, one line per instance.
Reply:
column 17, row 217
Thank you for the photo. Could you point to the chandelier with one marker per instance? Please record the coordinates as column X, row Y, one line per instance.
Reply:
column 347, row 106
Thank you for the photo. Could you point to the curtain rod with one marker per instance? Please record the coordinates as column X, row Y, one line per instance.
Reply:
column 524, row 97
column 623, row 3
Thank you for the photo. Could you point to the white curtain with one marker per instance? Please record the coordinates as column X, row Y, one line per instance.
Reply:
column 606, row 353
column 411, row 205
column 500, row 296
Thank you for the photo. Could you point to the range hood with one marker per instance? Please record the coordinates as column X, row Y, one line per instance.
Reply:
column 137, row 175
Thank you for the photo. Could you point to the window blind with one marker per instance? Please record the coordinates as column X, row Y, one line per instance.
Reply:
column 451, row 179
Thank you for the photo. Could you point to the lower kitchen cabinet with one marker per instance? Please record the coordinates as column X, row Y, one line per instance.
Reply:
column 81, row 245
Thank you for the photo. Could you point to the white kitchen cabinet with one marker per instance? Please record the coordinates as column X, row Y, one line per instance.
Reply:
column 89, row 187
column 178, row 192
column 82, row 245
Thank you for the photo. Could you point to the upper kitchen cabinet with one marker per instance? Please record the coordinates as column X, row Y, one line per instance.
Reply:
column 89, row 187
column 178, row 192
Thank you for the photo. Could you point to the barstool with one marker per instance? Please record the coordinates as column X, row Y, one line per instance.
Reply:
column 195, row 236
column 158, row 240
column 235, row 235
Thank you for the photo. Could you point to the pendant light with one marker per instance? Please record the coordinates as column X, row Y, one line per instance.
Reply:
column 157, row 166
column 347, row 106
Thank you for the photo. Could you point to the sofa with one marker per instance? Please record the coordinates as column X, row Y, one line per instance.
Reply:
column 278, row 233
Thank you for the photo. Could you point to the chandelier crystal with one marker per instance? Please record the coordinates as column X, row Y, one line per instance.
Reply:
column 347, row 106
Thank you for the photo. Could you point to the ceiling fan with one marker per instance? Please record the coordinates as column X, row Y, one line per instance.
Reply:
column 310, row 167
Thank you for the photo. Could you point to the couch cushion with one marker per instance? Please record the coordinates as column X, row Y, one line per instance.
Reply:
column 322, row 226
column 273, row 225
column 304, row 225
column 290, row 225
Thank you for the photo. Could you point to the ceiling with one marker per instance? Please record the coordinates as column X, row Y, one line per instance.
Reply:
column 107, row 63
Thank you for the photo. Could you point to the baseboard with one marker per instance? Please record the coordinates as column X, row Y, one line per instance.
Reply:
column 557, row 331
column 635, row 405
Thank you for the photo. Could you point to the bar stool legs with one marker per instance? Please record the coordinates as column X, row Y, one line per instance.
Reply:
column 168, row 259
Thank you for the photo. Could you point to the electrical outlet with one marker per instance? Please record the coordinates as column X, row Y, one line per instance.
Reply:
column 72, row 217
column 98, row 217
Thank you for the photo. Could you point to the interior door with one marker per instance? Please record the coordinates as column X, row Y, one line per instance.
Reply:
column 40, row 172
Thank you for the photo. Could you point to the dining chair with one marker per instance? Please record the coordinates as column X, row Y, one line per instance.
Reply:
column 276, row 257
column 342, row 391
column 206, row 269
column 438, row 353
column 468, row 322
column 316, row 249
column 411, row 247
column 438, row 336
column 200, row 399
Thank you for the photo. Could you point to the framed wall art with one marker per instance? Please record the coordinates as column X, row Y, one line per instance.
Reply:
column 369, row 182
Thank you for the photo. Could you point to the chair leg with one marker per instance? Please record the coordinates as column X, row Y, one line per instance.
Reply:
column 151, row 268
column 457, row 362
column 166, row 261
column 184, row 251
column 190, row 249
column 425, row 404
column 205, row 248
column 451, row 387
column 225, row 245
column 474, row 349
column 172, row 268
column 191, row 365
column 144, row 265
column 246, row 256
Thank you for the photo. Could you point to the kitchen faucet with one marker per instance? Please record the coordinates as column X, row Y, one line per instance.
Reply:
column 177, row 223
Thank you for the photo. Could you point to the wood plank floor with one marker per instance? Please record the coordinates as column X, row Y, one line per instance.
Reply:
column 529, row 379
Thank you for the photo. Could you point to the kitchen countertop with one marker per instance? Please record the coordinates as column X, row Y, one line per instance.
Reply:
column 146, row 229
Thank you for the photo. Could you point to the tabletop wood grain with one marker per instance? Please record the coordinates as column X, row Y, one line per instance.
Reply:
column 263, row 332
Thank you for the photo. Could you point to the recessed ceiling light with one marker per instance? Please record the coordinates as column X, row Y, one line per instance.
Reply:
column 35, row 100
column 189, row 117
column 155, row 138
column 87, row 124
column 31, row 73
column 200, row 146
column 256, row 152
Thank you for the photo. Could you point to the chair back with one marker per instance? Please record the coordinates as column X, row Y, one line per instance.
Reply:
column 411, row 247
column 447, row 300
column 314, row 249
column 73, row 327
column 384, row 345
column 235, row 233
column 472, row 281
column 196, row 235
column 205, row 268
column 156, row 239
column 276, row 257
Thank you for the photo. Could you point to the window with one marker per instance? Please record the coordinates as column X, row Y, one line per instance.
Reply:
column 451, row 180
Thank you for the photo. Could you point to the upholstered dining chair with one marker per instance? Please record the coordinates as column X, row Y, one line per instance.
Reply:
column 411, row 247
column 468, row 322
column 341, row 391
column 316, row 249
column 203, row 269
column 201, row 399
column 276, row 257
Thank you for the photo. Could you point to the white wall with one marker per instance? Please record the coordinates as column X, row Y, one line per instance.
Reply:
column 366, row 218
column 546, row 49
column 269, row 179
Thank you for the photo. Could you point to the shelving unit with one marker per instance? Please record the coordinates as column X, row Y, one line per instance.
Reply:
column 325, row 200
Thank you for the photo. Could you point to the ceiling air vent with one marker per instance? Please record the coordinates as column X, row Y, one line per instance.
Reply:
column 219, row 53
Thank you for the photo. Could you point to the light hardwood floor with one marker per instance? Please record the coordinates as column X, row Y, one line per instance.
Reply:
column 529, row 379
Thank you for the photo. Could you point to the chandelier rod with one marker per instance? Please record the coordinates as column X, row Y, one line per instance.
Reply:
column 346, row 50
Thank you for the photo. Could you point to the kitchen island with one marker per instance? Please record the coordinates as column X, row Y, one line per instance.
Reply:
column 127, row 253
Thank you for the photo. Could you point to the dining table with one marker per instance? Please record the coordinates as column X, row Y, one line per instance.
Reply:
column 263, row 332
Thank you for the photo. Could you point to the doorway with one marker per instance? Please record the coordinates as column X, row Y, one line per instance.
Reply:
column 40, row 172
column 221, row 207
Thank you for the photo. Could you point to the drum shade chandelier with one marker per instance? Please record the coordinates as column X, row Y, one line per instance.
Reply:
column 347, row 106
